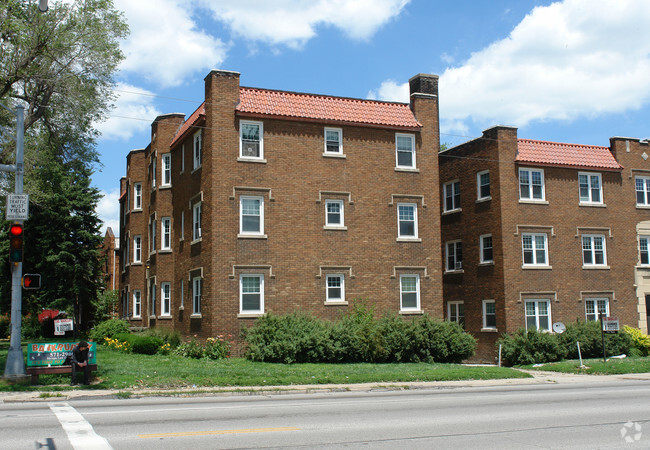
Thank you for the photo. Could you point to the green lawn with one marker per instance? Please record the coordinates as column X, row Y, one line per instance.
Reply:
column 597, row 366
column 118, row 370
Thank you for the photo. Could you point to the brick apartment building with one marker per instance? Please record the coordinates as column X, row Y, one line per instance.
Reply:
column 538, row 232
column 266, row 200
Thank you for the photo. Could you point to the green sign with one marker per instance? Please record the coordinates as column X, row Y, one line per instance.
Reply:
column 54, row 353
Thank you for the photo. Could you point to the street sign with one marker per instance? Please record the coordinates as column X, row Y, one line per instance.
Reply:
column 610, row 324
column 62, row 325
column 17, row 206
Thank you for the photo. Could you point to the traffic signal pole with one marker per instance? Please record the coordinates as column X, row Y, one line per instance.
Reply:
column 15, row 367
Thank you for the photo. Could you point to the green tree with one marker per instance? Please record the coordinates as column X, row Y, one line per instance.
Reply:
column 62, row 243
column 60, row 66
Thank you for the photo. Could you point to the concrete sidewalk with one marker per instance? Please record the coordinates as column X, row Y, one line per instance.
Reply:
column 538, row 378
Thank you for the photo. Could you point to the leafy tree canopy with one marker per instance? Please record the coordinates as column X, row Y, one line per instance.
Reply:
column 60, row 66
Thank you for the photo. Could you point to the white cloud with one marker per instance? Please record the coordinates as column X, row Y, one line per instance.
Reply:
column 390, row 91
column 572, row 59
column 108, row 210
column 577, row 58
column 293, row 22
column 134, row 112
column 165, row 45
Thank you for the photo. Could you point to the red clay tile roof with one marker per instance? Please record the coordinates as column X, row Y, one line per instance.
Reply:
column 295, row 105
column 566, row 155
column 193, row 119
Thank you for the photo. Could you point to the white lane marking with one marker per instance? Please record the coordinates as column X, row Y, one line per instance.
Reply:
column 80, row 433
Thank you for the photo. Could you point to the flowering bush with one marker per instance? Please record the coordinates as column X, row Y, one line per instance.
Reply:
column 640, row 341
column 216, row 348
column 118, row 344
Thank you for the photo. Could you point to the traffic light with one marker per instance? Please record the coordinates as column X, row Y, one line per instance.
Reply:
column 16, row 243
column 32, row 281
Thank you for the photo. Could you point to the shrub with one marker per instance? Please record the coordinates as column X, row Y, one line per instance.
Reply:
column 287, row 339
column 356, row 337
column 5, row 326
column 530, row 347
column 591, row 342
column 640, row 341
column 145, row 345
column 359, row 336
column 170, row 337
column 30, row 327
column 216, row 348
column 434, row 340
column 192, row 349
column 108, row 329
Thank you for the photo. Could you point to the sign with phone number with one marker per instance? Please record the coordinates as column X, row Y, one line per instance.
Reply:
column 55, row 353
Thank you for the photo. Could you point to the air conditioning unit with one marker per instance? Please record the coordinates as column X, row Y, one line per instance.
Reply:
column 459, row 265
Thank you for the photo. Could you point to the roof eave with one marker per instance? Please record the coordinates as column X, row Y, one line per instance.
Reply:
column 569, row 166
column 330, row 121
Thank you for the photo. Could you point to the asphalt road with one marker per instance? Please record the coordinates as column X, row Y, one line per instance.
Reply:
column 612, row 414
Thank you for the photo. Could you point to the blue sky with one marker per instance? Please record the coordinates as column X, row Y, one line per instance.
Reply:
column 573, row 71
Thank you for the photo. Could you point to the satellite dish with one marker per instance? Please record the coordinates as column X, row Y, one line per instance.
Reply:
column 559, row 327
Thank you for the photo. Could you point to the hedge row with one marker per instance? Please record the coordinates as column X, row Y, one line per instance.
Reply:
column 533, row 347
column 356, row 337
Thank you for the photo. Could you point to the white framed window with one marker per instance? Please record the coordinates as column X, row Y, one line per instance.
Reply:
column 531, row 184
column 489, row 314
column 334, row 141
column 137, row 196
column 197, row 286
column 335, row 287
column 409, row 288
column 197, row 150
column 165, row 298
column 593, row 250
column 535, row 249
column 454, row 256
column 538, row 314
column 405, row 150
column 182, row 158
column 137, row 249
column 591, row 188
column 137, row 304
column 251, row 142
column 196, row 221
column 456, row 312
column 251, row 294
column 153, row 173
column 642, row 191
column 251, row 215
column 182, row 225
column 451, row 192
column 483, row 185
column 166, row 233
column 644, row 255
column 181, row 284
column 152, row 296
column 152, row 235
column 334, row 213
column 407, row 220
column 591, row 313
column 166, row 169
column 487, row 251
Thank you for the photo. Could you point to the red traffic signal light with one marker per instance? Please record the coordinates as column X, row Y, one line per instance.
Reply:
column 32, row 281
column 16, row 243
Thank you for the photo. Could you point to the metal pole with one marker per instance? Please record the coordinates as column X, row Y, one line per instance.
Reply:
column 15, row 367
column 579, row 354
